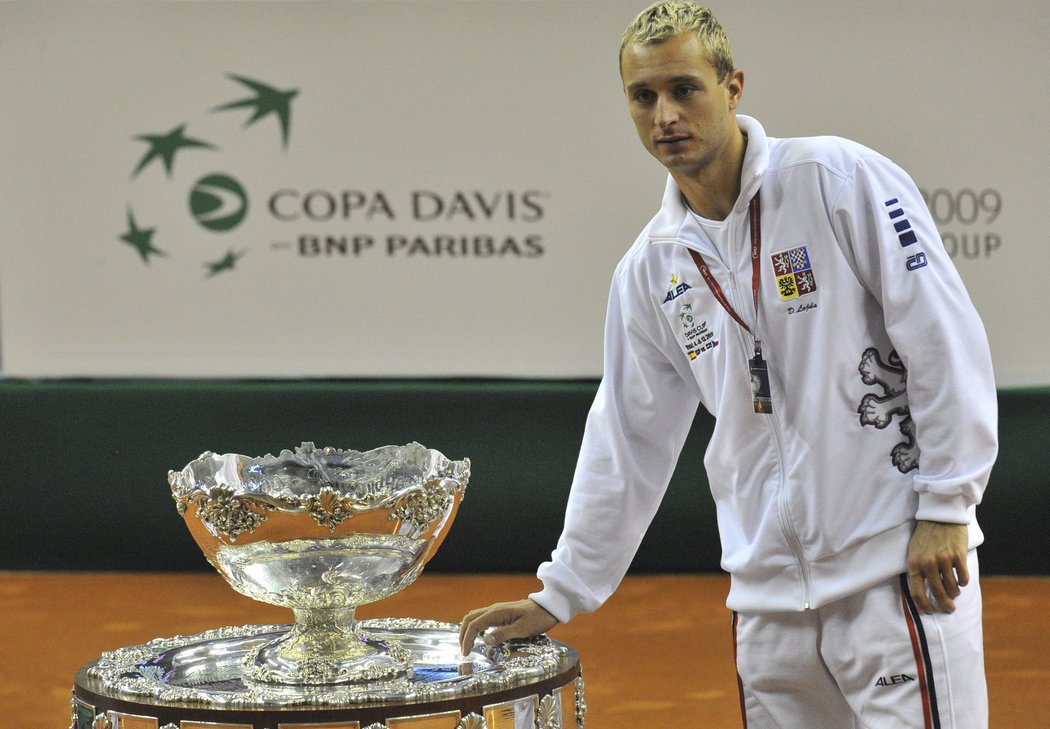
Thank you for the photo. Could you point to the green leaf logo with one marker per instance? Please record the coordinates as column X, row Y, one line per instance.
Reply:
column 218, row 202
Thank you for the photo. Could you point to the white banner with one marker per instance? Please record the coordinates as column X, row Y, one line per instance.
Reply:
column 358, row 189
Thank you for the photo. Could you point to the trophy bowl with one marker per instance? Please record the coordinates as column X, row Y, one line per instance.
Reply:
column 322, row 531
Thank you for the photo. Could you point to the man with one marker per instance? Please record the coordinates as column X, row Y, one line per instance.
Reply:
column 799, row 290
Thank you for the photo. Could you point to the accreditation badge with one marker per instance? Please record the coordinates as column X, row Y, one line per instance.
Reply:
column 761, row 396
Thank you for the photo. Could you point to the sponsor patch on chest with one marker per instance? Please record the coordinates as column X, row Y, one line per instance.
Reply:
column 696, row 336
column 793, row 271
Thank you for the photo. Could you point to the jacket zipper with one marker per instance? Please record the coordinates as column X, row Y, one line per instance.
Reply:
column 786, row 526
column 785, row 520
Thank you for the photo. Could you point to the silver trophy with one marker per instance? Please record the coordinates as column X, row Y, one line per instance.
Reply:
column 322, row 531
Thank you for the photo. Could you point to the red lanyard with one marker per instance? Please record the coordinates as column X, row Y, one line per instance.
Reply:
column 754, row 214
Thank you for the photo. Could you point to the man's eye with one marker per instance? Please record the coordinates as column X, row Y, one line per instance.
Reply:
column 643, row 97
column 683, row 91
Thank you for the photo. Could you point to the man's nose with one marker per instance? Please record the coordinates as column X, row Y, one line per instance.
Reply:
column 666, row 112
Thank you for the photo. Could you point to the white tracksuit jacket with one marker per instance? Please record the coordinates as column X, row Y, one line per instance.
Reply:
column 858, row 299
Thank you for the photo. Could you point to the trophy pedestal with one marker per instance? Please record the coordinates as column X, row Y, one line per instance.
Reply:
column 204, row 682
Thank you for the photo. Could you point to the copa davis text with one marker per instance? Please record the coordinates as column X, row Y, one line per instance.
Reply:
column 418, row 206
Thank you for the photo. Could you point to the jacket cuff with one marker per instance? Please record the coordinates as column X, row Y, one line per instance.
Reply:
column 553, row 603
column 942, row 508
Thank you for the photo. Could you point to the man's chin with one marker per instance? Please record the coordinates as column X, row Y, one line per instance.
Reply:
column 680, row 163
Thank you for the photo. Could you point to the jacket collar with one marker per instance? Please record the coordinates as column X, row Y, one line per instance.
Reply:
column 674, row 215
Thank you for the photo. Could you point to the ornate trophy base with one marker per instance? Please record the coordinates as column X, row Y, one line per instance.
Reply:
column 205, row 681
column 324, row 647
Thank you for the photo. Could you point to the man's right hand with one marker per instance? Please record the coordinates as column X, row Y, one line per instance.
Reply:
column 508, row 620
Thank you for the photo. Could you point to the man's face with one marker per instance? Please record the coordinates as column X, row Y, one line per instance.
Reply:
column 684, row 116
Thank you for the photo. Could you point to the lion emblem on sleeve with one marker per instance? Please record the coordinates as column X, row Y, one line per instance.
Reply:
column 880, row 409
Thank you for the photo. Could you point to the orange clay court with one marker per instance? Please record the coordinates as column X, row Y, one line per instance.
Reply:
column 658, row 654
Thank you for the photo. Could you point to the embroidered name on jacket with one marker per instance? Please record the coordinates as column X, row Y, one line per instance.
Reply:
column 794, row 273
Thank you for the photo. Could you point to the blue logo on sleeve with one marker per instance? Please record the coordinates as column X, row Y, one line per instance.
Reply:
column 901, row 224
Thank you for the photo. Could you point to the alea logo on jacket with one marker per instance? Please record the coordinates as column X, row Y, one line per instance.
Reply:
column 677, row 289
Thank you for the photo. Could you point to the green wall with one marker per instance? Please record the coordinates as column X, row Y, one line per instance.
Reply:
column 84, row 467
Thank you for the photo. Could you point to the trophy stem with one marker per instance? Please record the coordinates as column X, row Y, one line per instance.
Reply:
column 325, row 647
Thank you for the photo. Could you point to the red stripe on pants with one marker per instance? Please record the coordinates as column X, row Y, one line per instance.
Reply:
column 920, row 664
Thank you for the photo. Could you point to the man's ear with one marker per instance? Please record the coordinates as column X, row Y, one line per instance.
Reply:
column 735, row 87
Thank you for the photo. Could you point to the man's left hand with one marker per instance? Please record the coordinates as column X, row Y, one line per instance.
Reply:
column 937, row 565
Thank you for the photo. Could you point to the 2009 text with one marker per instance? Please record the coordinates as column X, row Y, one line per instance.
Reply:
column 960, row 215
column 965, row 206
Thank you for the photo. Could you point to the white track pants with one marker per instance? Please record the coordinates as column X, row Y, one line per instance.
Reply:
column 869, row 661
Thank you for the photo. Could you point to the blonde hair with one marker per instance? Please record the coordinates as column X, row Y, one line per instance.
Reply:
column 668, row 18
